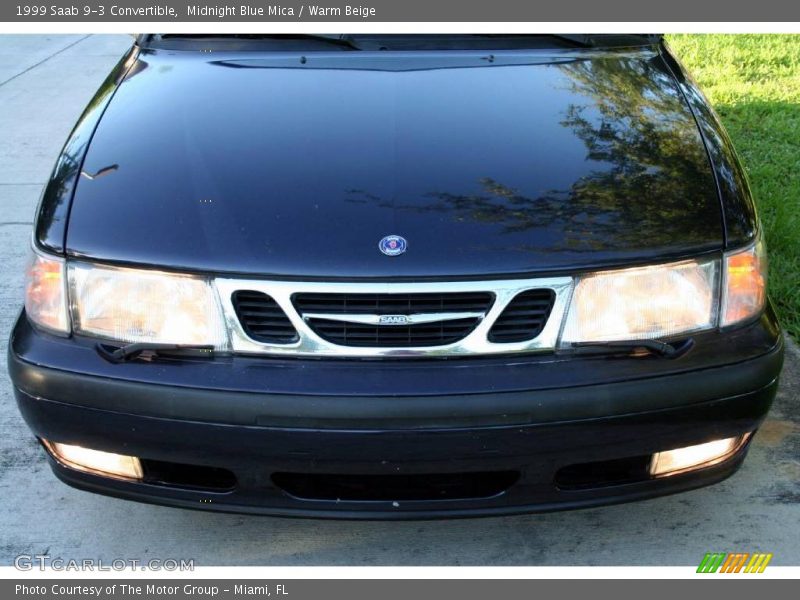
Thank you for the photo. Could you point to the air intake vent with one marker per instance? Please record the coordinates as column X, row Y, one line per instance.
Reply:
column 262, row 318
column 524, row 317
column 390, row 304
column 364, row 488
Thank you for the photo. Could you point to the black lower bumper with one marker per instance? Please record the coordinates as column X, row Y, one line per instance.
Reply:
column 547, row 448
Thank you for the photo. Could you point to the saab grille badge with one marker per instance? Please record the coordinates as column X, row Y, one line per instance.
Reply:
column 393, row 320
column 392, row 245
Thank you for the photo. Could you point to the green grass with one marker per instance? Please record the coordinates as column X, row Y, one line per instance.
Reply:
column 753, row 82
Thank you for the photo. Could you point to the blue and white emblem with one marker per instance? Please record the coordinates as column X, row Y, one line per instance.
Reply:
column 392, row 245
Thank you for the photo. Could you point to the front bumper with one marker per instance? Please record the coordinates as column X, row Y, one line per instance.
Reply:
column 286, row 429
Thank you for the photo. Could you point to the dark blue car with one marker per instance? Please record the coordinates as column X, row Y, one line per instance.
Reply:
column 378, row 276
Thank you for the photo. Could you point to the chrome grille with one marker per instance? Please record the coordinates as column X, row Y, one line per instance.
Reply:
column 397, row 319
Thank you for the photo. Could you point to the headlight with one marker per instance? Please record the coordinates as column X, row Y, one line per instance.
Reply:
column 132, row 305
column 745, row 284
column 45, row 293
column 644, row 303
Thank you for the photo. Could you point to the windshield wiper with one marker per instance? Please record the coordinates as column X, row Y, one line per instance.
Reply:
column 340, row 40
column 120, row 354
column 577, row 40
column 655, row 347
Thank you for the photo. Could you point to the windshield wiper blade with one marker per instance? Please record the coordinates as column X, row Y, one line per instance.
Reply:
column 334, row 39
column 577, row 40
column 656, row 347
column 341, row 40
column 120, row 354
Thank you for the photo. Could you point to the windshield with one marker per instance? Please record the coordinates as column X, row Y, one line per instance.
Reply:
column 388, row 43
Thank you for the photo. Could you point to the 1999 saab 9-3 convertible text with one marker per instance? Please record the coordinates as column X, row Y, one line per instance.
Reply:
column 377, row 276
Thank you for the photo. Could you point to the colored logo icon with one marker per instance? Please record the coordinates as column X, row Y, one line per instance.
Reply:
column 392, row 245
column 735, row 562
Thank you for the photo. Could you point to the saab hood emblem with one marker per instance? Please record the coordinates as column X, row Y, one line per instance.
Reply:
column 392, row 245
column 393, row 320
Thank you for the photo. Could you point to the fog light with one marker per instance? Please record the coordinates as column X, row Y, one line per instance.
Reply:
column 95, row 461
column 672, row 462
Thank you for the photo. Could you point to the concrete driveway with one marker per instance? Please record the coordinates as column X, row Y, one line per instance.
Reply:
column 45, row 81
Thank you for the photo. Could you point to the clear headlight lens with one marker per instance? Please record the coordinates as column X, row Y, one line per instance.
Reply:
column 745, row 284
column 45, row 293
column 644, row 303
column 133, row 305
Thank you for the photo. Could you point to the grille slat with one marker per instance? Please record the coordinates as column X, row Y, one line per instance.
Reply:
column 262, row 318
column 393, row 303
column 524, row 317
column 357, row 334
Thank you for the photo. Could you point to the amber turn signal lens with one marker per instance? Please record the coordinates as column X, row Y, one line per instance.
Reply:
column 45, row 295
column 745, row 284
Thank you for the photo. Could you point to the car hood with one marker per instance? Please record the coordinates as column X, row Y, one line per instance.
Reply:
column 276, row 164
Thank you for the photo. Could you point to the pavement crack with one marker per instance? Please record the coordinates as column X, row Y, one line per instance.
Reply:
column 44, row 60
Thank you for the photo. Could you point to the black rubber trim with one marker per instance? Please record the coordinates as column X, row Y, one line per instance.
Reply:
column 336, row 412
